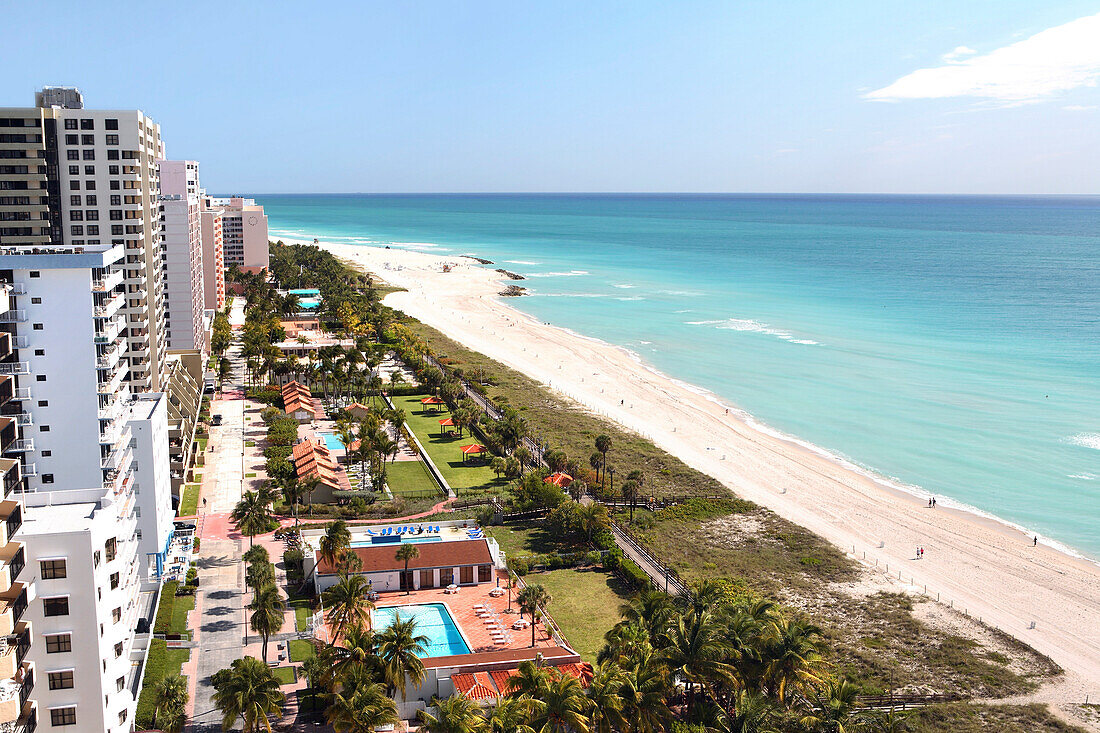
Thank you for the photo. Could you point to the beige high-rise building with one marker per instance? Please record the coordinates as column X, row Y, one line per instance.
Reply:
column 244, row 231
column 183, row 265
column 80, row 177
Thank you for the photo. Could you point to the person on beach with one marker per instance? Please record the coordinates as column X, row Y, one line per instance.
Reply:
column 933, row 502
column 1035, row 541
column 930, row 502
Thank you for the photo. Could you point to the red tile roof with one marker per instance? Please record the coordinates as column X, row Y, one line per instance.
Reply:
column 380, row 558
column 476, row 686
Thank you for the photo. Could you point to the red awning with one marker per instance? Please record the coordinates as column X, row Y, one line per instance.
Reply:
column 446, row 421
column 559, row 479
column 474, row 448
column 433, row 400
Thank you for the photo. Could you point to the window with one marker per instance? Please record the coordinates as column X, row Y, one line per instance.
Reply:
column 446, row 577
column 52, row 569
column 47, row 453
column 37, row 327
column 44, row 428
column 466, row 574
column 42, row 403
column 116, row 615
column 93, row 230
column 76, row 230
column 91, row 201
column 116, row 200
column 76, row 215
column 91, row 214
column 112, row 169
column 122, row 716
column 110, row 547
column 55, row 606
column 88, row 155
column 47, row 478
column 36, row 301
column 112, row 155
column 484, row 573
column 95, row 558
column 120, row 684
column 35, row 273
column 72, row 155
column 114, row 580
column 90, row 185
column 63, row 716
column 118, row 650
column 74, row 170
column 74, row 185
column 89, row 170
column 60, row 680
column 112, row 139
column 116, row 214
column 58, row 643
column 87, row 139
column 114, row 184
column 110, row 124
column 71, row 139
column 87, row 124
column 74, row 200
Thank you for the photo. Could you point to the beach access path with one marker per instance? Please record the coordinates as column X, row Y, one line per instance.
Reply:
column 1039, row 595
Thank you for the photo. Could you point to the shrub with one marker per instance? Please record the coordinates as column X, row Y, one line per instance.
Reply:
column 518, row 565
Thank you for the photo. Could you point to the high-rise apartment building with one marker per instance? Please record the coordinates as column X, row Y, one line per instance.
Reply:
column 83, row 178
column 213, row 259
column 184, row 301
column 244, row 231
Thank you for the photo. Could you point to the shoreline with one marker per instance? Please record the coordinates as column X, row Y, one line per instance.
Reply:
column 982, row 563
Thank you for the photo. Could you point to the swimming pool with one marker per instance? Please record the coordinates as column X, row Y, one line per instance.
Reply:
column 395, row 539
column 308, row 303
column 433, row 620
column 307, row 292
column 331, row 441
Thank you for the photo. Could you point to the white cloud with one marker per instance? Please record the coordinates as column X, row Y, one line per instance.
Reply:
column 1055, row 60
column 958, row 54
column 1079, row 107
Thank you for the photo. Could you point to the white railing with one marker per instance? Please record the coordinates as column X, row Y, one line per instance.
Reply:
column 15, row 367
column 23, row 445
column 13, row 316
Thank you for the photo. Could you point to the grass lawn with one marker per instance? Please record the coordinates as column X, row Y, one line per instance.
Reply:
column 162, row 662
column 301, row 613
column 285, row 675
column 250, row 475
column 172, row 613
column 202, row 444
column 585, row 604
column 189, row 502
column 301, row 650
column 446, row 452
column 531, row 538
column 411, row 477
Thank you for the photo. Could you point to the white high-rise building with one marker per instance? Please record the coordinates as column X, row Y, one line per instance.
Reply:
column 86, row 178
column 183, row 254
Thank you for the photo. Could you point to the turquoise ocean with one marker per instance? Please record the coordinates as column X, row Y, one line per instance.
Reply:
column 951, row 344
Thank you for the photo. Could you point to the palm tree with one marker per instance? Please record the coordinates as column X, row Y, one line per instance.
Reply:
column 455, row 714
column 361, row 709
column 508, row 715
column 561, row 706
column 293, row 491
column 529, row 679
column 317, row 670
column 308, row 485
column 833, row 709
column 170, row 703
column 603, row 445
column 695, row 652
column 336, row 539
column 653, row 610
column 644, row 692
column 607, row 702
column 356, row 656
column 248, row 690
column 251, row 515
column 530, row 599
column 406, row 552
column 267, row 608
column 592, row 517
column 400, row 649
column 348, row 605
column 792, row 657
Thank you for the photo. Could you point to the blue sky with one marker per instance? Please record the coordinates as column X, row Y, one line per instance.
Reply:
column 884, row 96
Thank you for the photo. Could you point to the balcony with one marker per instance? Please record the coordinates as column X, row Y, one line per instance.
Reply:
column 109, row 358
column 7, row 388
column 23, row 445
column 12, row 562
column 11, row 519
column 110, row 307
column 8, row 433
column 109, row 282
column 15, row 367
column 13, row 604
column 6, row 344
column 15, row 692
column 110, row 330
column 19, row 342
column 22, row 393
column 13, row 316
column 12, row 473
column 29, row 469
column 28, row 720
column 13, row 649
column 17, row 288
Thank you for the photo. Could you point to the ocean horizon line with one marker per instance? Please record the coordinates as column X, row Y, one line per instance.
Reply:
column 748, row 195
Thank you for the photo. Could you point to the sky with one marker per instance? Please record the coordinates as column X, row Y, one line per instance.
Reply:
column 883, row 96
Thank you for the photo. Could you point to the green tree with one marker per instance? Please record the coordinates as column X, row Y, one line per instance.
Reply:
column 267, row 608
column 251, row 516
column 530, row 600
column 833, row 709
column 695, row 653
column 561, row 706
column 347, row 604
column 792, row 657
column 406, row 552
column 248, row 691
column 455, row 714
column 400, row 649
column 170, row 703
column 361, row 709
column 603, row 445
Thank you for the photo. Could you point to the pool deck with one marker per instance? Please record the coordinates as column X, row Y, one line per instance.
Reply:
column 461, row 606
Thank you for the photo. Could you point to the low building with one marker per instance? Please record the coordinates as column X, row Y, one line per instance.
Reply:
column 299, row 403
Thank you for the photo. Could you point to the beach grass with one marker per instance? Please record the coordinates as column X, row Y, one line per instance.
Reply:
column 162, row 662
column 411, row 477
column 970, row 718
column 446, row 451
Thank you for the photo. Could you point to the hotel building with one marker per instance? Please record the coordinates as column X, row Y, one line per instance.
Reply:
column 185, row 303
column 244, row 231
column 213, row 259
column 80, row 177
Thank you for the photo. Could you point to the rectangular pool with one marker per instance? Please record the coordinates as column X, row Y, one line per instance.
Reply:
column 433, row 620
column 331, row 441
column 305, row 291
column 396, row 539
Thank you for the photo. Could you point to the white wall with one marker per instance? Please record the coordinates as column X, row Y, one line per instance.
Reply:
column 152, row 478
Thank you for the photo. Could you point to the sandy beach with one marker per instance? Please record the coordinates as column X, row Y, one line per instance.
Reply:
column 1040, row 595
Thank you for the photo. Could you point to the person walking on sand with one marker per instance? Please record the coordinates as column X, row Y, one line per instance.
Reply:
column 933, row 502
column 930, row 502
column 1035, row 541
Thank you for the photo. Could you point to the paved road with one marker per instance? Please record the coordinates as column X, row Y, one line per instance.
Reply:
column 221, row 598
